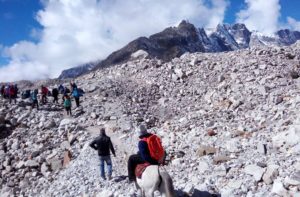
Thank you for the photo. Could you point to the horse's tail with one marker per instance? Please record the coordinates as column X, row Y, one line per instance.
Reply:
column 166, row 184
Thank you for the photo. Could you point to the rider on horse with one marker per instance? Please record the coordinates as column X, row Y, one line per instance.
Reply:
column 143, row 155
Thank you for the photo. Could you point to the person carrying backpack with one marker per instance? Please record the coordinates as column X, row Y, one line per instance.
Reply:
column 12, row 93
column 44, row 94
column 76, row 95
column 34, row 98
column 104, row 146
column 55, row 95
column 150, row 151
column 68, row 104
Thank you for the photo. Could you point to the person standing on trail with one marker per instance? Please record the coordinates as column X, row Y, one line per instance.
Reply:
column 34, row 98
column 104, row 146
column 68, row 104
column 145, row 155
column 44, row 94
column 55, row 95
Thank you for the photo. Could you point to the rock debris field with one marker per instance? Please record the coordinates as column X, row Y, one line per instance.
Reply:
column 229, row 122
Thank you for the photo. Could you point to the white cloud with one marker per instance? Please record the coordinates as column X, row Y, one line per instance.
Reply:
column 261, row 15
column 293, row 24
column 78, row 31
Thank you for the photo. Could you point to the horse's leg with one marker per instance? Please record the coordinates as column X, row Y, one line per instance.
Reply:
column 166, row 187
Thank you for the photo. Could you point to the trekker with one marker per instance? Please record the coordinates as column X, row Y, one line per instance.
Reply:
column 55, row 95
column 68, row 105
column 2, row 90
column 44, row 94
column 104, row 145
column 34, row 98
column 73, row 86
column 143, row 155
column 76, row 95
column 12, row 93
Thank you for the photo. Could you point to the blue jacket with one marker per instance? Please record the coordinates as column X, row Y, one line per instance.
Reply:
column 144, row 151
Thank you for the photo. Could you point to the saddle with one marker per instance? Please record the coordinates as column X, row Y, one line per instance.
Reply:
column 140, row 168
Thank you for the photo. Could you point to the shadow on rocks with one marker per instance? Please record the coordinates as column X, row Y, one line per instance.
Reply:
column 196, row 193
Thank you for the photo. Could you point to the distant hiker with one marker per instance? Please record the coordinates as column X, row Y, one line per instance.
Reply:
column 34, row 98
column 55, row 95
column 61, row 89
column 2, row 91
column 72, row 86
column 68, row 104
column 104, row 145
column 12, row 93
column 6, row 91
column 45, row 92
column 153, row 155
column 76, row 94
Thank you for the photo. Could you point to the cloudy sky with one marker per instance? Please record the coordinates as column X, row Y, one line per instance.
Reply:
column 40, row 38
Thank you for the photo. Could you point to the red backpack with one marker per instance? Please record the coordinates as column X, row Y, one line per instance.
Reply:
column 155, row 147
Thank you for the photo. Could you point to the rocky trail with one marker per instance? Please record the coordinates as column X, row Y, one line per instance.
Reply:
column 229, row 123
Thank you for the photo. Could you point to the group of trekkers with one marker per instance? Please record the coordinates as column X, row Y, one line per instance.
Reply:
column 150, row 152
column 11, row 92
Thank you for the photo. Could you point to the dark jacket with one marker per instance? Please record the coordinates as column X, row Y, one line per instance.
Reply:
column 54, row 92
column 144, row 151
column 103, row 145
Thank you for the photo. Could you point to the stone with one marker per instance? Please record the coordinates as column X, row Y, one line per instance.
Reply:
column 211, row 132
column 32, row 164
column 44, row 169
column 20, row 164
column 294, row 74
column 278, row 188
column 255, row 171
column 203, row 167
column 55, row 164
column 65, row 145
column 220, row 159
column 294, row 179
column 50, row 124
column 94, row 115
column 270, row 174
column 206, row 150
column 67, row 158
column 262, row 148
column 220, row 170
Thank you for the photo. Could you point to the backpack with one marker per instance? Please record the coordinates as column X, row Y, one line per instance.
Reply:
column 67, row 103
column 155, row 147
column 75, row 93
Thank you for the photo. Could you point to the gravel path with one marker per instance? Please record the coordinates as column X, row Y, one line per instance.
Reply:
column 82, row 177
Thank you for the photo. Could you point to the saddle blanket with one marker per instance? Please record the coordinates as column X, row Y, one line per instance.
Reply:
column 140, row 168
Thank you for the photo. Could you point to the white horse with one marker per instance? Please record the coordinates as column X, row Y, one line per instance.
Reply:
column 156, row 178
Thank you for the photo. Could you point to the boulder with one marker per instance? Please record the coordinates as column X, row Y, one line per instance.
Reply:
column 32, row 164
column 206, row 150
column 279, row 189
column 67, row 158
column 255, row 171
column 270, row 174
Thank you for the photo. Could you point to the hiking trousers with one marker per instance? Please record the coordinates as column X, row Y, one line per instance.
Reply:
column 77, row 101
column 133, row 161
column 107, row 160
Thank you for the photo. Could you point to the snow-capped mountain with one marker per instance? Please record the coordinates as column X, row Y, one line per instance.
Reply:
column 175, row 41
column 77, row 71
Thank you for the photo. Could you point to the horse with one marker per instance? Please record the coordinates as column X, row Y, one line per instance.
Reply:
column 155, row 178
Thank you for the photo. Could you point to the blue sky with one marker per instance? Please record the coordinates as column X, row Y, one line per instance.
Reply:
column 47, row 37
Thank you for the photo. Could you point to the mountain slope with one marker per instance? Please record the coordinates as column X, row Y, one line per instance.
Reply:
column 175, row 41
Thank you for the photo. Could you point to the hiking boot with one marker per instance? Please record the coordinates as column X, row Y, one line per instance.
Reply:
column 109, row 177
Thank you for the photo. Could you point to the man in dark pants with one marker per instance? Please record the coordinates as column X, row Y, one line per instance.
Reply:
column 55, row 95
column 104, row 145
column 142, row 156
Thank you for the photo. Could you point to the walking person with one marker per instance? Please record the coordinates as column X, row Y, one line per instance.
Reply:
column 12, row 93
column 76, row 95
column 104, row 145
column 34, row 98
column 55, row 95
column 68, row 104
column 44, row 94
